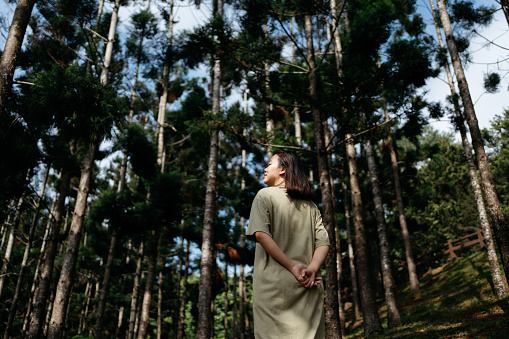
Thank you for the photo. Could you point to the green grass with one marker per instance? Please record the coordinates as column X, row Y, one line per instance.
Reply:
column 456, row 301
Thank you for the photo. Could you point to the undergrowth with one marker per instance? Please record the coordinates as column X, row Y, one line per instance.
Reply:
column 456, row 301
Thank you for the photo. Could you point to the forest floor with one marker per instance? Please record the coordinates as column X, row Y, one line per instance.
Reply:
column 456, row 301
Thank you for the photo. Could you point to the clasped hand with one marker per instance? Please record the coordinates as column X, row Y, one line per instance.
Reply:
column 305, row 276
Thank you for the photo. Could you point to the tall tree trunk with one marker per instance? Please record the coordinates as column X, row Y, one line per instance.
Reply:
column 123, row 166
column 149, row 283
column 372, row 324
column 235, row 302
column 24, row 262
column 108, row 54
column 136, row 289
column 183, row 299
column 333, row 327
column 226, row 302
column 351, row 255
column 181, row 253
column 242, row 279
column 41, row 293
column 10, row 241
column 26, row 319
column 393, row 317
column 120, row 320
column 71, row 253
column 160, row 305
column 84, row 312
column 98, row 331
column 499, row 286
column 207, row 262
column 500, row 225
column 412, row 268
column 12, row 48
column 163, row 100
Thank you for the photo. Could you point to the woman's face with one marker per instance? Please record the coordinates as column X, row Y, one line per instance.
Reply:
column 274, row 175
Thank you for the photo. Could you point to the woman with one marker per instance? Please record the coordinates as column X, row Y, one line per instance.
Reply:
column 292, row 244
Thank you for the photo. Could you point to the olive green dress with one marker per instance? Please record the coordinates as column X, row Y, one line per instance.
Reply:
column 282, row 307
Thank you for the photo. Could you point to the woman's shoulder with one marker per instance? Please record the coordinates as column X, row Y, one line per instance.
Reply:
column 271, row 191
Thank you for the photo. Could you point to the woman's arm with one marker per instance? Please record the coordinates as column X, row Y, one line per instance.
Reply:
column 317, row 261
column 275, row 252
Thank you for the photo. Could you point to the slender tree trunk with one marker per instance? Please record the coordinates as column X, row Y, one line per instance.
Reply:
column 99, row 12
column 372, row 324
column 24, row 262
column 499, row 285
column 12, row 48
column 207, row 263
column 71, row 255
column 84, row 312
column 393, row 317
column 412, row 268
column 101, row 308
column 242, row 278
column 147, row 295
column 41, row 293
column 109, row 45
column 235, row 302
column 183, row 299
column 163, row 100
column 499, row 223
column 136, row 289
column 175, row 313
column 160, row 306
column 333, row 327
column 38, row 268
column 296, row 110
column 226, row 302
column 120, row 320
column 351, row 256
column 10, row 242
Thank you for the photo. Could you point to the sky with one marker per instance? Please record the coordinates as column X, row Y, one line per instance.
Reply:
column 485, row 57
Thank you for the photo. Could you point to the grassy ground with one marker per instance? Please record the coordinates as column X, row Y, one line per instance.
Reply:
column 456, row 301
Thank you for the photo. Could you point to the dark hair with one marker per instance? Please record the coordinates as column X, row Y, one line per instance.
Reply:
column 296, row 181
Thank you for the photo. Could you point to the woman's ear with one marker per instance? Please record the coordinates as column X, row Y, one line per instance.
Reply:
column 282, row 171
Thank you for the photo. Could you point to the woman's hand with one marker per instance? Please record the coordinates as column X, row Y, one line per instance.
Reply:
column 310, row 279
column 305, row 276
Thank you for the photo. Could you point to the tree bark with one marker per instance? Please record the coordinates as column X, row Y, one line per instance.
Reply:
column 41, row 293
column 149, row 283
column 499, row 224
column 134, row 298
column 183, row 299
column 412, row 268
column 160, row 306
column 372, row 324
column 10, row 242
column 108, row 53
column 333, row 327
column 12, row 48
column 26, row 319
column 24, row 262
column 64, row 286
column 499, row 286
column 393, row 317
column 207, row 262
column 226, row 302
column 105, row 286
column 351, row 255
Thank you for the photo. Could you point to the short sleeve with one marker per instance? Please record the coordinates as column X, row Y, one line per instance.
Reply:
column 259, row 219
column 321, row 235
